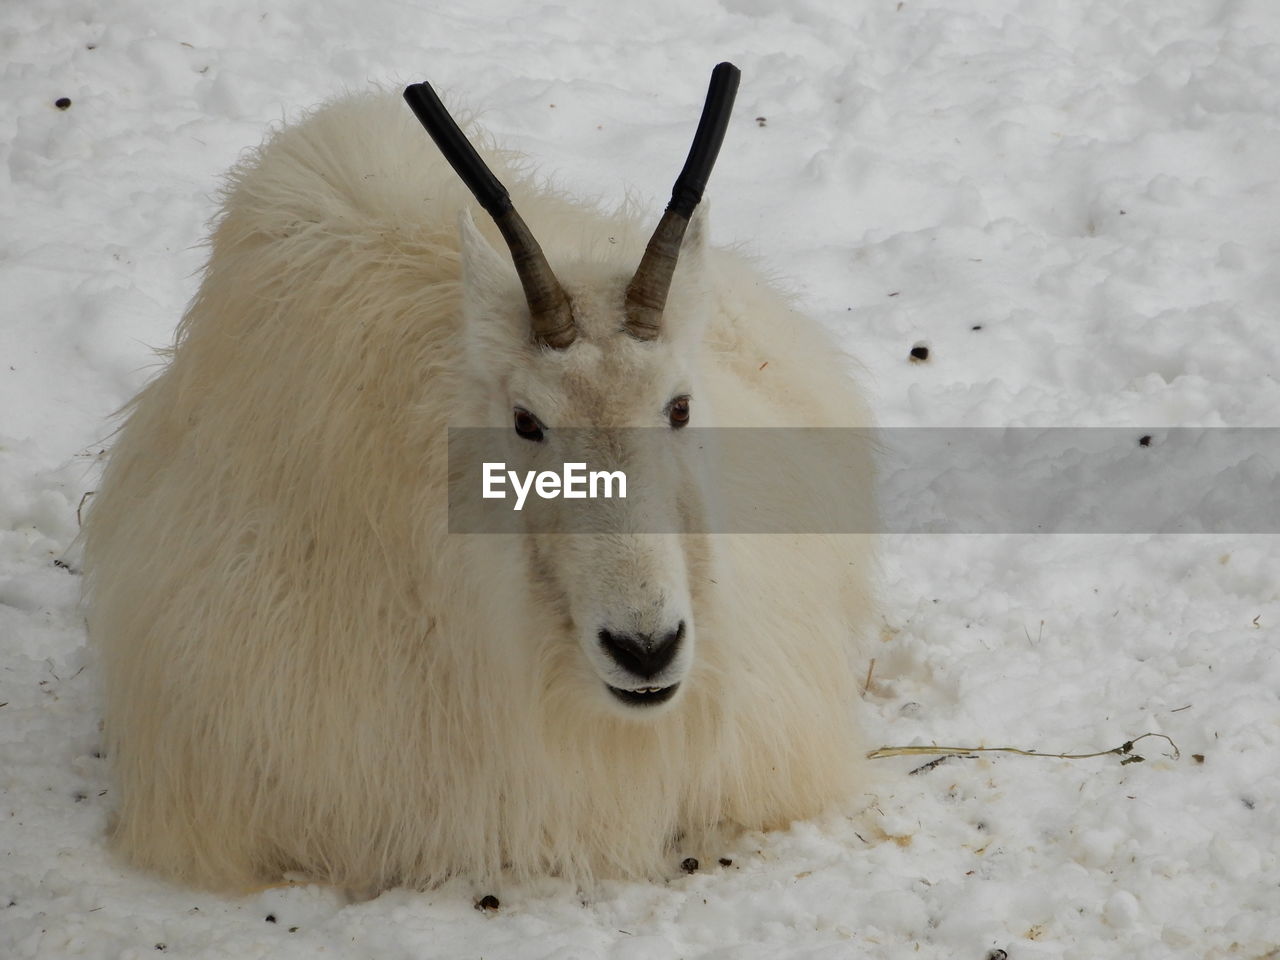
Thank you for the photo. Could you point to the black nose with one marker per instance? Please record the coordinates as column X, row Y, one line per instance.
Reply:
column 642, row 653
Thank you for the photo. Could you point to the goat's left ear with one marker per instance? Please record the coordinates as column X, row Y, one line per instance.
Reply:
column 693, row 251
column 689, row 298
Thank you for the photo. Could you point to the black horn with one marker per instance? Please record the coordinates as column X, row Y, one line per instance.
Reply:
column 550, row 313
column 647, row 292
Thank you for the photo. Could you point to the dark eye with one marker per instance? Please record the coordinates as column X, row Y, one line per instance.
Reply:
column 678, row 412
column 528, row 426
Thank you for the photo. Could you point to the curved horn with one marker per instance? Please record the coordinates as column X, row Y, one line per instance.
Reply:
column 647, row 292
column 550, row 313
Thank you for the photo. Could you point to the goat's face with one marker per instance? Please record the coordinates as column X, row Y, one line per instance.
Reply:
column 628, row 588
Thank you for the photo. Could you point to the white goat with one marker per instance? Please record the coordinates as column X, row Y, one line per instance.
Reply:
column 305, row 671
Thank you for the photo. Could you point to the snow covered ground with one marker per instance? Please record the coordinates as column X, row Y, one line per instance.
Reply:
column 1074, row 205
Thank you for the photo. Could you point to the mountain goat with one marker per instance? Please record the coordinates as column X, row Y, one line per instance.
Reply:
column 307, row 672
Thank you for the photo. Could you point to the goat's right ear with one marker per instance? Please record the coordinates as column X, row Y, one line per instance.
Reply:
column 493, row 304
column 484, row 270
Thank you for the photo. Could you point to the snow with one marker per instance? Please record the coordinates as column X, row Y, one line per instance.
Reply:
column 1094, row 185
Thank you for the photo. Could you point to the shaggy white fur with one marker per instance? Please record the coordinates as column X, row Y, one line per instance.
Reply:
column 306, row 672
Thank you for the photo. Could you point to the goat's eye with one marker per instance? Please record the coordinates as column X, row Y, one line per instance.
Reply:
column 527, row 425
column 678, row 412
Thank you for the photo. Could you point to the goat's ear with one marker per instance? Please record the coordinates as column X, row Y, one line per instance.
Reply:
column 491, row 295
column 691, row 267
column 484, row 271
column 689, row 297
column 695, row 237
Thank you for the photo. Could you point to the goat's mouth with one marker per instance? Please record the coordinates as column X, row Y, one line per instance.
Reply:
column 644, row 696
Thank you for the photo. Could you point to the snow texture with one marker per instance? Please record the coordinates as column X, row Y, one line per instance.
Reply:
column 1073, row 205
